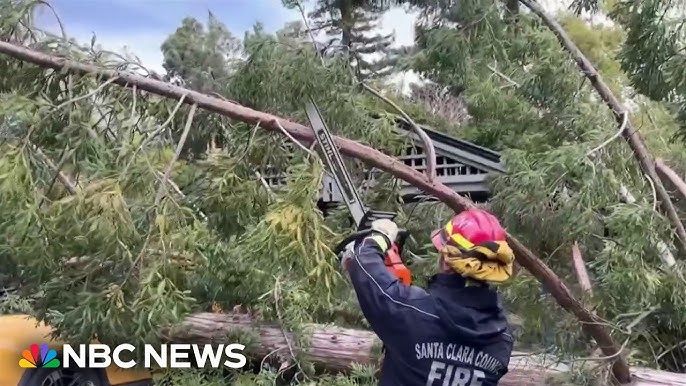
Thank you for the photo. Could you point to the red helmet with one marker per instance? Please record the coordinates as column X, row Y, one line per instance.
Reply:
column 472, row 226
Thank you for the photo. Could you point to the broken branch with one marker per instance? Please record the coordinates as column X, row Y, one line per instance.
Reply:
column 66, row 181
column 580, row 269
column 179, row 147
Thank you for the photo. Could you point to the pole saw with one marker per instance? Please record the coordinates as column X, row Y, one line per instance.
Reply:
column 361, row 216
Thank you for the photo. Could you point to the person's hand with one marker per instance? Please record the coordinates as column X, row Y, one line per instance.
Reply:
column 384, row 233
column 387, row 228
column 347, row 255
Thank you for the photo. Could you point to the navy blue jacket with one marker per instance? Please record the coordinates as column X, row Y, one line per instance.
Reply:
column 449, row 335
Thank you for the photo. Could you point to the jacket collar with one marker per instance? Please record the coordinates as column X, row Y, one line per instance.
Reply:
column 453, row 280
column 470, row 293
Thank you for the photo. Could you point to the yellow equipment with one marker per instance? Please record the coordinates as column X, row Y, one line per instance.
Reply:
column 19, row 332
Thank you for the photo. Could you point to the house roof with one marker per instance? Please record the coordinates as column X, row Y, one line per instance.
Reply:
column 463, row 151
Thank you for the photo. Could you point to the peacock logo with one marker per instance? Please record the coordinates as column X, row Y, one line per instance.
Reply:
column 30, row 358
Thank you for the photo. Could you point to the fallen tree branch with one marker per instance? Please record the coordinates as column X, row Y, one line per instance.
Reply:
column 161, row 191
column 336, row 349
column 590, row 321
column 580, row 270
column 632, row 136
column 671, row 175
column 181, row 194
column 622, row 128
column 63, row 178
column 503, row 76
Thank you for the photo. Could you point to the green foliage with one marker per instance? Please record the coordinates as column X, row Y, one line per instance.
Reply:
column 600, row 44
column 350, row 25
column 200, row 57
column 526, row 97
column 652, row 55
column 111, row 260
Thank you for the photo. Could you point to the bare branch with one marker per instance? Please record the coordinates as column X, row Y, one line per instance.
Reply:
column 580, row 269
column 307, row 27
column 181, row 194
column 503, row 76
column 295, row 141
column 622, row 127
column 177, row 153
column 68, row 184
column 440, row 102
column 161, row 192
column 87, row 95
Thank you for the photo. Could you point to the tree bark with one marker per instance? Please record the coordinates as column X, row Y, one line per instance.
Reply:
column 335, row 349
column 630, row 134
column 580, row 270
column 564, row 297
column 672, row 176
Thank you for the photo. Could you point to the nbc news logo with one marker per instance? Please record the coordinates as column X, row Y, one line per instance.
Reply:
column 39, row 357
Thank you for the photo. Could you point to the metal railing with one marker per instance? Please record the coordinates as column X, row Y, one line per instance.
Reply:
column 463, row 178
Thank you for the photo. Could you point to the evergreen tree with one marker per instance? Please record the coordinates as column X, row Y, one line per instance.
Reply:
column 351, row 27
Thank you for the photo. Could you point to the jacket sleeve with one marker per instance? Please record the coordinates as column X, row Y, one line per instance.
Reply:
column 382, row 295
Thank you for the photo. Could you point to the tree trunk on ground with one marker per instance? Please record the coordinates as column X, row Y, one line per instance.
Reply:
column 564, row 297
column 335, row 349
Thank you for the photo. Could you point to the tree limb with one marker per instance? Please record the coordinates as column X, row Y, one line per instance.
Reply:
column 66, row 181
column 633, row 138
column 671, row 175
column 329, row 347
column 161, row 191
column 590, row 321
column 580, row 269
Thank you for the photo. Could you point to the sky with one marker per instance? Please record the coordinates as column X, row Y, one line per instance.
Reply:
column 140, row 26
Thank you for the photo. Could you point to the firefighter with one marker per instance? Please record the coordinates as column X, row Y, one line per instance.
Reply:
column 455, row 332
